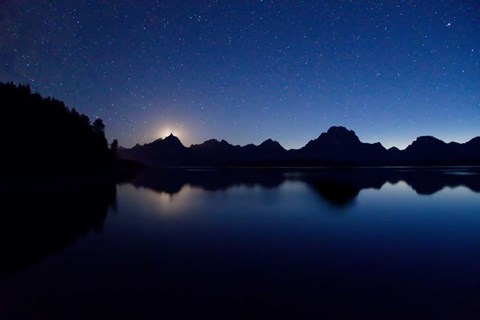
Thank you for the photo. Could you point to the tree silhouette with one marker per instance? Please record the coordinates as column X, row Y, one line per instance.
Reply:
column 42, row 135
column 114, row 147
column 98, row 126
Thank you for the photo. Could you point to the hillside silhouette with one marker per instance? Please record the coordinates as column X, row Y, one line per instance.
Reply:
column 58, row 176
column 42, row 136
column 336, row 147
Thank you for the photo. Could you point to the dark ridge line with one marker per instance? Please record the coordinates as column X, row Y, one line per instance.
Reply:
column 336, row 147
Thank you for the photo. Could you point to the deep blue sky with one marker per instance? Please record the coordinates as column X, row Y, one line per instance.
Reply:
column 246, row 71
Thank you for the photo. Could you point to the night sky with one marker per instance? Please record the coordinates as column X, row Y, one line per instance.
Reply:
column 246, row 71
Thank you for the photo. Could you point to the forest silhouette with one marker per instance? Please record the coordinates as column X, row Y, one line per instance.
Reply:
column 58, row 176
column 42, row 136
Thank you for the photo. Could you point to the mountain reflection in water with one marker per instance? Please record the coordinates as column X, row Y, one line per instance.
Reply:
column 338, row 187
column 243, row 243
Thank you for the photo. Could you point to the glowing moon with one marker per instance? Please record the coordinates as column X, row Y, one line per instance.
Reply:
column 166, row 131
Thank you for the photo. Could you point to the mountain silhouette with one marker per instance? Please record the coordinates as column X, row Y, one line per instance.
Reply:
column 432, row 151
column 214, row 152
column 269, row 151
column 162, row 152
column 342, row 146
column 336, row 147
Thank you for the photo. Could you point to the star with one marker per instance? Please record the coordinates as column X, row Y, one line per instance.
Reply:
column 249, row 65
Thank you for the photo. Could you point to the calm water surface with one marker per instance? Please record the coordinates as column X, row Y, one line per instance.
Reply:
column 396, row 244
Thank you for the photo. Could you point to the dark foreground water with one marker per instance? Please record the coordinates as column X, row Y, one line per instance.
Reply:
column 201, row 244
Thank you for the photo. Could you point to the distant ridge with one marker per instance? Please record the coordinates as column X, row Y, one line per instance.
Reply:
column 336, row 147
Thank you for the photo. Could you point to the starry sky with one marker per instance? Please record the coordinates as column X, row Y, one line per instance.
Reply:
column 246, row 71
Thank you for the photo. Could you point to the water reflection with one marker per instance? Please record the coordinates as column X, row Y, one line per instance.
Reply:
column 229, row 244
column 43, row 218
column 40, row 219
column 338, row 188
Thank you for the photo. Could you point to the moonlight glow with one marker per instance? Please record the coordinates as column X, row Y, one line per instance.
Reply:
column 166, row 131
column 245, row 71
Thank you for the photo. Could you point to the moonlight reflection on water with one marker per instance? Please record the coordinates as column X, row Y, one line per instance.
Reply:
column 384, row 244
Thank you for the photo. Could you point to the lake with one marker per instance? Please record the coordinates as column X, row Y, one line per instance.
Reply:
column 374, row 243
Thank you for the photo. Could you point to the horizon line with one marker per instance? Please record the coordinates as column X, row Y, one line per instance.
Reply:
column 339, row 126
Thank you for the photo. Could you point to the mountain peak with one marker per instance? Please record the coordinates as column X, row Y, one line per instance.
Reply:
column 268, row 142
column 338, row 129
column 212, row 145
column 426, row 142
column 337, row 136
column 271, row 144
column 224, row 142
column 427, row 139
column 342, row 133
column 172, row 141
column 475, row 141
column 170, row 136
column 336, row 146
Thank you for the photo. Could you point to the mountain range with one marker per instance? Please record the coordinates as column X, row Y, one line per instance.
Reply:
column 336, row 147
